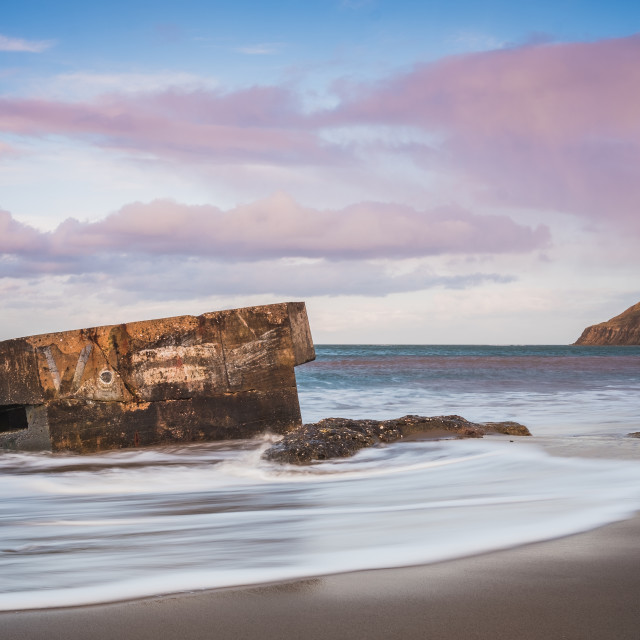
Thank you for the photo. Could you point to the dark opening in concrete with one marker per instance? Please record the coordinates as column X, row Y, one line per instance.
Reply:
column 13, row 417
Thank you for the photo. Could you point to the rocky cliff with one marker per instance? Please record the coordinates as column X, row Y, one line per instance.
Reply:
column 621, row 330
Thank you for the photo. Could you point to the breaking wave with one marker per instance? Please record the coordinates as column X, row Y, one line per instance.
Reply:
column 88, row 529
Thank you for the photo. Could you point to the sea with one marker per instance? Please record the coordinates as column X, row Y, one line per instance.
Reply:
column 77, row 530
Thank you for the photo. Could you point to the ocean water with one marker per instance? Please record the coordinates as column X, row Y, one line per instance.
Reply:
column 84, row 529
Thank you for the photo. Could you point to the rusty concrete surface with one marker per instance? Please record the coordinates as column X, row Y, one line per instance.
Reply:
column 226, row 374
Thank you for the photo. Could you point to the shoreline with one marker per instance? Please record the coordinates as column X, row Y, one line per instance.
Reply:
column 585, row 446
column 578, row 587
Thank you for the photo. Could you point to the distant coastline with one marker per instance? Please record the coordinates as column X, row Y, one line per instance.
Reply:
column 622, row 330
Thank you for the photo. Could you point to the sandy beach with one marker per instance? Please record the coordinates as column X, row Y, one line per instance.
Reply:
column 580, row 587
column 320, row 320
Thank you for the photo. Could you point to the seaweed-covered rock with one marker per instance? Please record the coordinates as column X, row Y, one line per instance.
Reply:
column 508, row 428
column 342, row 437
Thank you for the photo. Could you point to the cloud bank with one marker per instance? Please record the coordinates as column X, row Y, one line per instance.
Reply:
column 259, row 124
column 552, row 126
column 273, row 228
column 274, row 245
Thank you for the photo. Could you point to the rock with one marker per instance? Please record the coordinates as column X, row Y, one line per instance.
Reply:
column 221, row 375
column 635, row 434
column 342, row 437
column 508, row 428
column 623, row 330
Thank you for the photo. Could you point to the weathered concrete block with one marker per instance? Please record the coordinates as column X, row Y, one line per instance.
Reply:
column 227, row 374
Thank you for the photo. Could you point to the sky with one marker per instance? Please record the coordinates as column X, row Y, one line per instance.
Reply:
column 427, row 172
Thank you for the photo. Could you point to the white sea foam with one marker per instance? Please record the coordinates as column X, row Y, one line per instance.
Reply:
column 84, row 530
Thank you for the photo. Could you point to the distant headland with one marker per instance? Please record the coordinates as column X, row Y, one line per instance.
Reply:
column 621, row 330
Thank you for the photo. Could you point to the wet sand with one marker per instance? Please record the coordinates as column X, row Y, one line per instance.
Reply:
column 581, row 587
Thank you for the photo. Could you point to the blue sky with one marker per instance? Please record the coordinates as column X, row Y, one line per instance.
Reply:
column 427, row 172
column 206, row 37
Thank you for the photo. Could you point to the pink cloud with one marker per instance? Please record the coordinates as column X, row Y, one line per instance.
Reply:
column 278, row 227
column 550, row 126
column 553, row 125
column 552, row 91
column 164, row 249
column 18, row 238
column 260, row 124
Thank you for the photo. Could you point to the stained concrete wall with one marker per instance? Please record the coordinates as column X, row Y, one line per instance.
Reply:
column 226, row 374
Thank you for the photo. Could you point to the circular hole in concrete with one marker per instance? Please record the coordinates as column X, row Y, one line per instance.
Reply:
column 106, row 377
